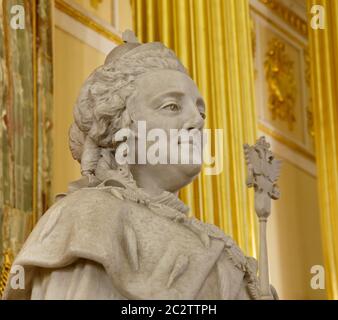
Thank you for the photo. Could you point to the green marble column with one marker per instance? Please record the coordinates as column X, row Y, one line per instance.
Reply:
column 26, row 92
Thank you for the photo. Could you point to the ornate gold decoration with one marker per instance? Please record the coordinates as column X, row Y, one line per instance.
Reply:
column 281, row 83
column 309, row 111
column 290, row 17
column 5, row 270
column 35, row 112
column 95, row 3
column 310, row 122
column 16, row 225
column 253, row 35
column 307, row 67
column 253, row 41
column 87, row 21
column 277, row 26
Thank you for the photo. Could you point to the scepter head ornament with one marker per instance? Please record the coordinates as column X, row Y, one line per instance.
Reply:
column 263, row 168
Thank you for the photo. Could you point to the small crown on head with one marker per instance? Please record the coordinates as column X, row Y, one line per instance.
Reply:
column 128, row 36
column 130, row 42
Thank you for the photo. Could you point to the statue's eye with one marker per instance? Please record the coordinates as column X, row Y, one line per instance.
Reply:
column 203, row 115
column 172, row 107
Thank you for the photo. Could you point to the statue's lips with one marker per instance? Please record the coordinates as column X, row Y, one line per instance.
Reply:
column 191, row 145
column 190, row 141
column 184, row 142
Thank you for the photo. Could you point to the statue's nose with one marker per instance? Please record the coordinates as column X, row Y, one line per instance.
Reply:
column 194, row 120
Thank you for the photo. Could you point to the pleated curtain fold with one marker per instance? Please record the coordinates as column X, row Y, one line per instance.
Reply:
column 324, row 88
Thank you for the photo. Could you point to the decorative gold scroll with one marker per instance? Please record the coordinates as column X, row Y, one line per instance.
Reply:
column 6, row 267
column 95, row 3
column 281, row 83
column 289, row 16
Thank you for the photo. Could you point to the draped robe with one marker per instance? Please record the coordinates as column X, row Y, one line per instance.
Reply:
column 113, row 242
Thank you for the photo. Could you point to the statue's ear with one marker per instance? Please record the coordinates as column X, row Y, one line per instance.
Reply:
column 90, row 156
column 126, row 119
column 76, row 141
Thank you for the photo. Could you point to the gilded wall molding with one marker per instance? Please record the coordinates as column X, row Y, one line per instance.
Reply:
column 287, row 142
column 289, row 17
column 5, row 270
column 278, row 68
column 35, row 113
column 16, row 225
column 292, row 37
column 309, row 109
column 276, row 84
column 87, row 21
column 95, row 3
column 310, row 121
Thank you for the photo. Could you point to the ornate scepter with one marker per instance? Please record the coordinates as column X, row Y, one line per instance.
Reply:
column 263, row 172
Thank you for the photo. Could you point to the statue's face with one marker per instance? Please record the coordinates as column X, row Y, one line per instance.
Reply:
column 168, row 99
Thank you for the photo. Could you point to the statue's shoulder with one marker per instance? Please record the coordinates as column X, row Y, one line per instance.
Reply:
column 79, row 225
column 87, row 203
column 78, row 209
column 87, row 199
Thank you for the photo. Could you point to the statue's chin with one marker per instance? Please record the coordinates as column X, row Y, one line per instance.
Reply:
column 187, row 172
column 169, row 177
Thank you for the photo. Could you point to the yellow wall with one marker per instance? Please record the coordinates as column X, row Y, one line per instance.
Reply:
column 294, row 235
column 124, row 15
column 73, row 62
column 106, row 11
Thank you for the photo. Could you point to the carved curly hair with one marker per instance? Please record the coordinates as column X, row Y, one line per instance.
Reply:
column 100, row 110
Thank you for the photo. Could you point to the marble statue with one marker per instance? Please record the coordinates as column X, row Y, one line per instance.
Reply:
column 121, row 232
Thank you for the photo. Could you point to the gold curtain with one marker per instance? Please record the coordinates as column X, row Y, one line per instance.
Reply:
column 212, row 39
column 324, row 69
